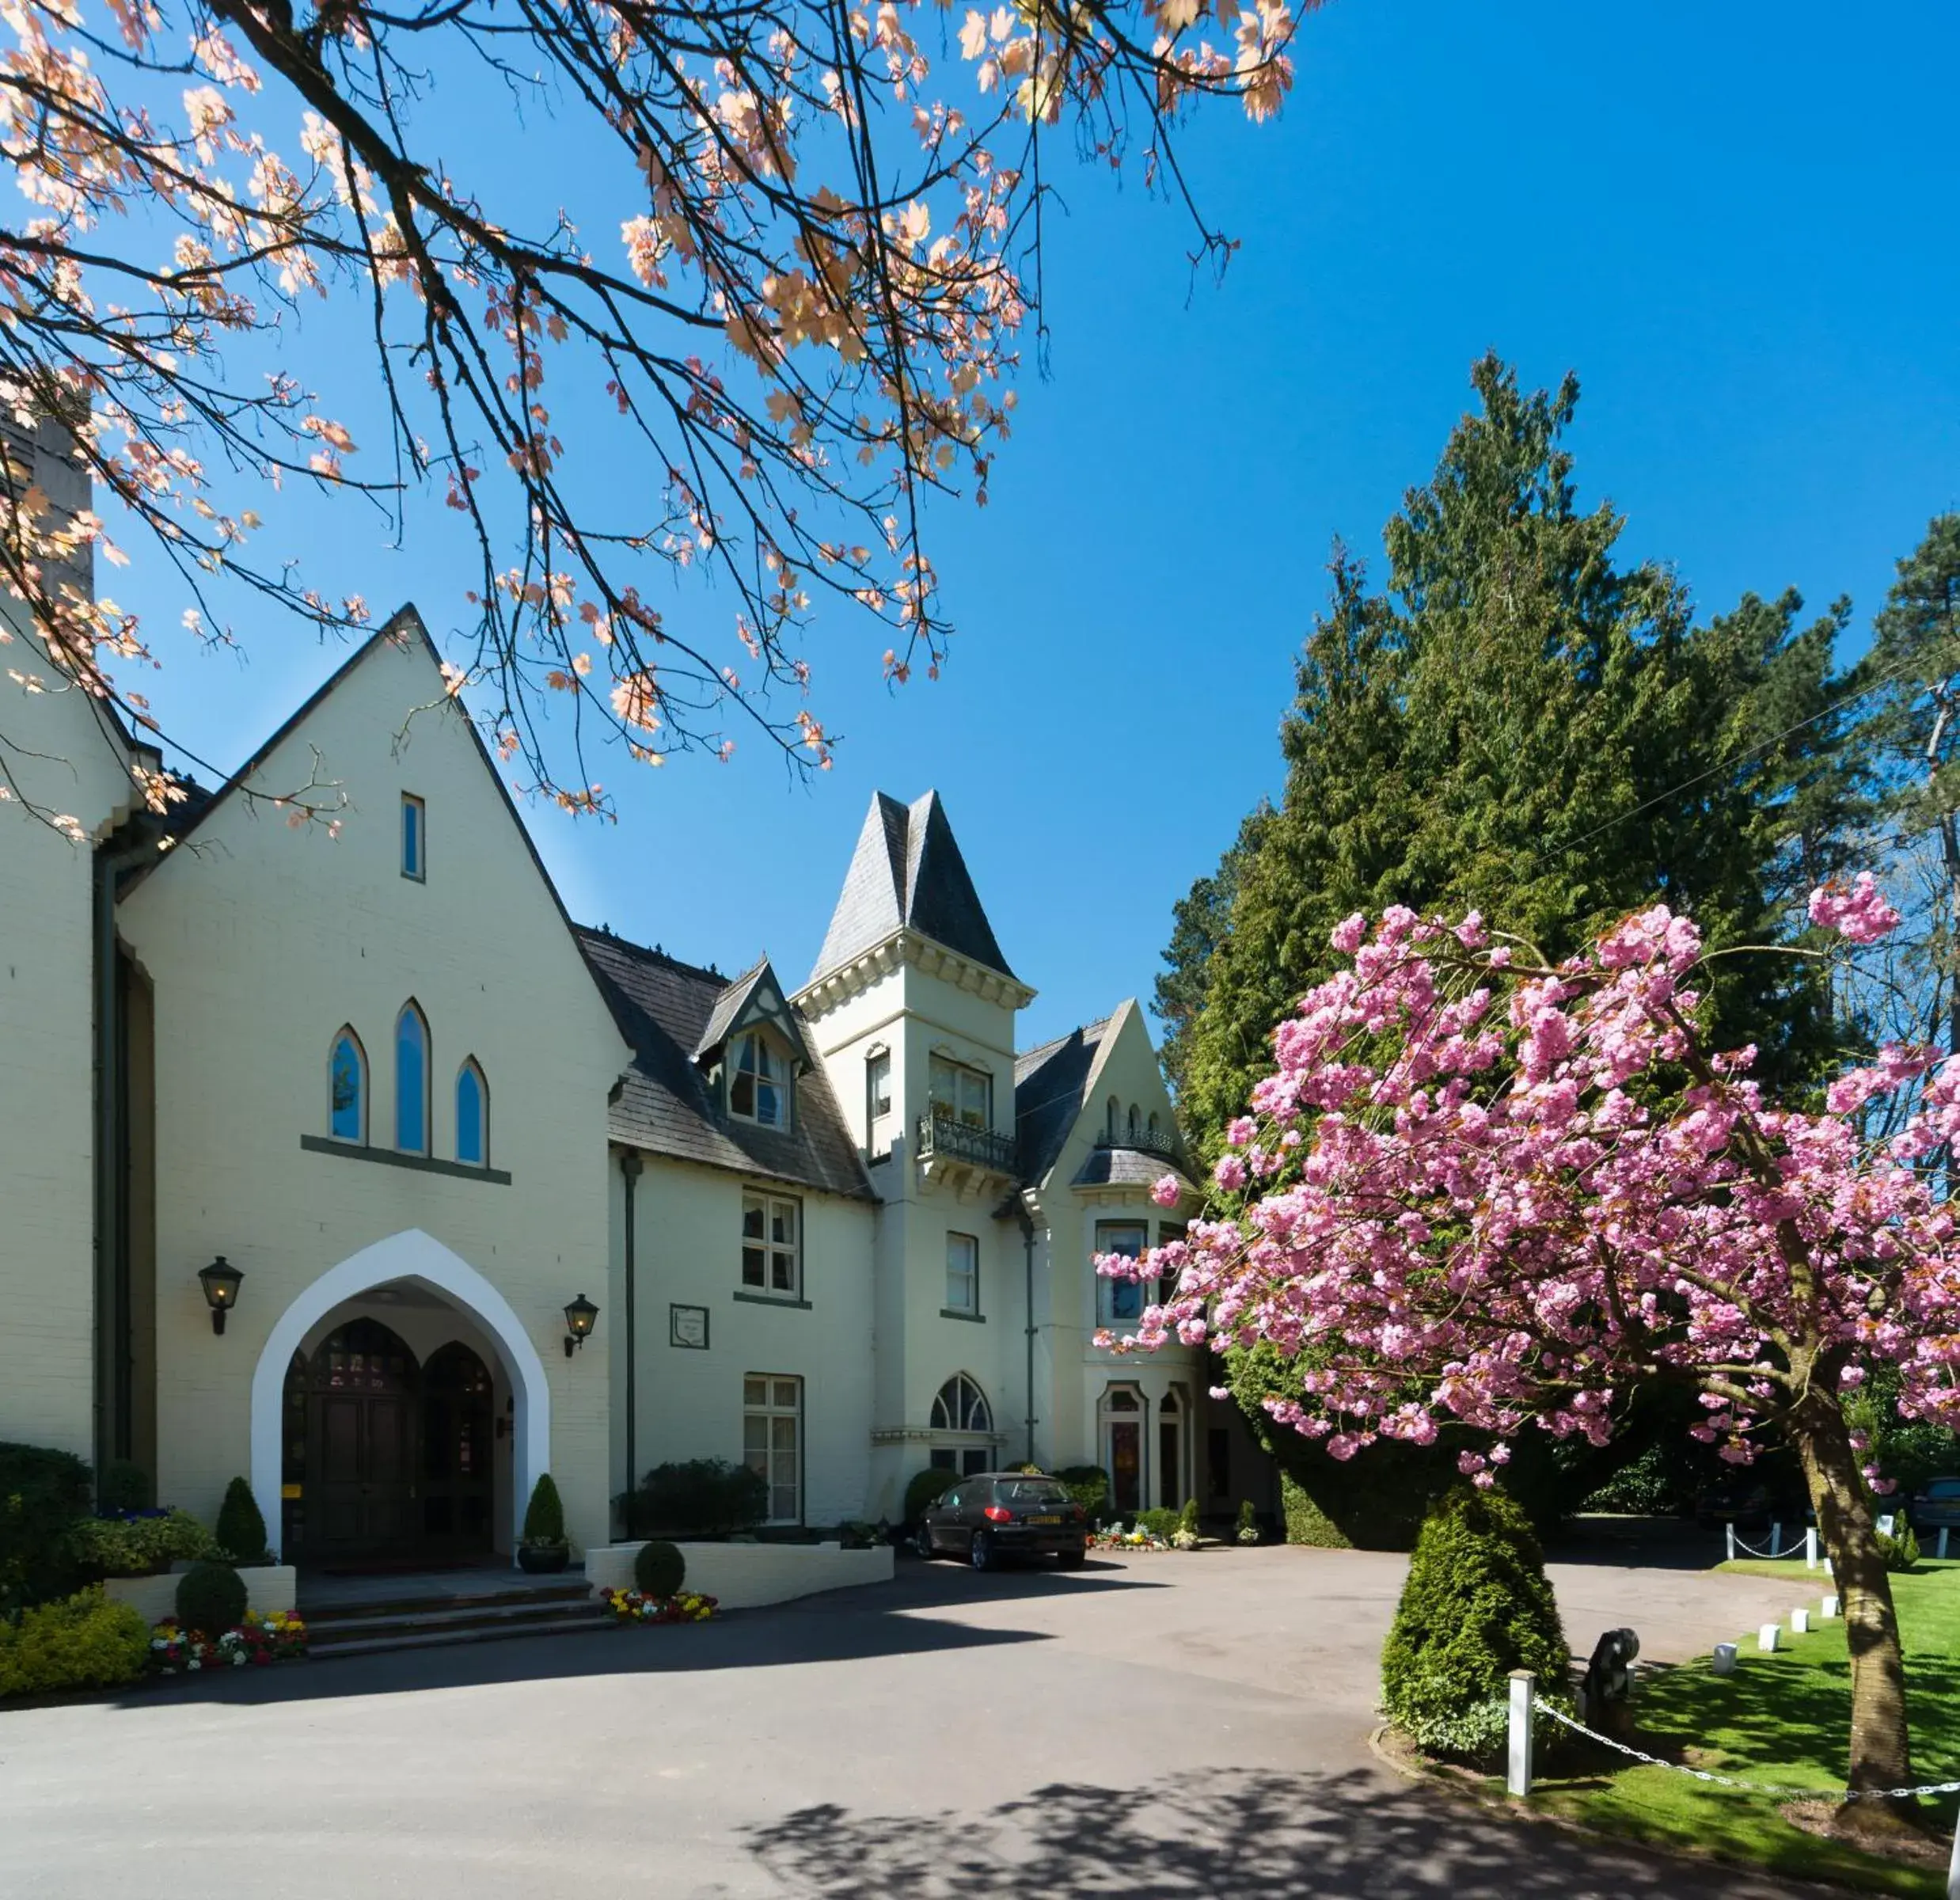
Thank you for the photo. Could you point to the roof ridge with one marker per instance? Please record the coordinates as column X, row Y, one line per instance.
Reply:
column 647, row 953
column 1055, row 1042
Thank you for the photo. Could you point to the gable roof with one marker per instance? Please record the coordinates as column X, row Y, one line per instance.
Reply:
column 907, row 873
column 754, row 997
column 664, row 1009
column 1050, row 1083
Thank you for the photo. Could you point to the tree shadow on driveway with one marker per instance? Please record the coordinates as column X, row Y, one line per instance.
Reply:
column 839, row 1626
column 1248, row 1835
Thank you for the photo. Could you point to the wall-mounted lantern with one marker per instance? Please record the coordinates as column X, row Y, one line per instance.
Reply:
column 579, row 1317
column 220, row 1280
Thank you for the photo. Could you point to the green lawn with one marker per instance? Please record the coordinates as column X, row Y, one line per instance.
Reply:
column 1781, row 1719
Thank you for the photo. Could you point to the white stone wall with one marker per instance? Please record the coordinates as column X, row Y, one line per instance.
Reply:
column 262, row 940
column 688, row 1224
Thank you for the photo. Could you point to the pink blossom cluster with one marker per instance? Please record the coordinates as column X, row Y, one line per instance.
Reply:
column 1479, row 1192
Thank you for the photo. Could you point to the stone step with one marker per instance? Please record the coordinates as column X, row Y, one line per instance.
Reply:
column 549, row 1595
column 405, row 1633
column 457, row 1615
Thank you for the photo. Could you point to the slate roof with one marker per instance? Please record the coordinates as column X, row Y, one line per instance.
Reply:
column 1048, row 1086
column 663, row 1007
column 907, row 872
column 1121, row 1167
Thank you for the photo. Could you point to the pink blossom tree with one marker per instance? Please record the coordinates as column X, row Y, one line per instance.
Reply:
column 753, row 294
column 1483, row 1190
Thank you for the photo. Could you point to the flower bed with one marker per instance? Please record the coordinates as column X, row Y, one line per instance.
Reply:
column 1135, row 1539
column 280, row 1637
column 685, row 1606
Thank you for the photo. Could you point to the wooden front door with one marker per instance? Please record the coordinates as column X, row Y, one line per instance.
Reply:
column 361, row 1464
column 458, row 1460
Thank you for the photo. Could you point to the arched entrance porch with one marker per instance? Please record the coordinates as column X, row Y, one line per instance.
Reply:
column 416, row 1260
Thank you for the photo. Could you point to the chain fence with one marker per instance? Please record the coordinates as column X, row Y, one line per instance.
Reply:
column 1539, row 1706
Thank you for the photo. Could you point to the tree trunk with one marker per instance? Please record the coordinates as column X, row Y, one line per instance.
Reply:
column 1880, row 1749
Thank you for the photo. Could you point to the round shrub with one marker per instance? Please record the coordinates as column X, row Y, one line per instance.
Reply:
column 1477, row 1605
column 210, row 1598
column 241, row 1526
column 81, row 1642
column 928, row 1487
column 659, row 1569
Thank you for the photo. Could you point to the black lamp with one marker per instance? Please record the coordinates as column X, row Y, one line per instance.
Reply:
column 580, row 1317
column 220, row 1280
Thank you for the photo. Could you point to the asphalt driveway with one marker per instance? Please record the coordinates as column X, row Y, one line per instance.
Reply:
column 1167, row 1727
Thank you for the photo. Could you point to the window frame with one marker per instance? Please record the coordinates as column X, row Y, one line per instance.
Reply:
column 960, row 1074
column 472, row 1068
column 877, row 1070
column 363, row 1071
column 1107, row 1288
column 770, row 1410
column 970, row 1309
column 770, row 1248
column 965, row 1448
column 413, row 802
column 779, row 1075
column 413, row 1010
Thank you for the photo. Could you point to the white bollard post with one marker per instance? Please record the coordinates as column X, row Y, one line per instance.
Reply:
column 1766, row 1637
column 1953, row 1865
column 1810, row 1549
column 1942, row 1543
column 1725, row 1653
column 1799, row 1622
column 1731, row 1528
column 1776, row 1540
column 1829, row 1612
column 1517, row 1780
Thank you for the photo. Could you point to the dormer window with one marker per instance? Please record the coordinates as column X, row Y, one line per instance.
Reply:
column 960, row 1094
column 758, row 1081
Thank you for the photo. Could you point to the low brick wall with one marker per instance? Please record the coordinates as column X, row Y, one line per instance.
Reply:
column 268, row 1587
column 745, row 1576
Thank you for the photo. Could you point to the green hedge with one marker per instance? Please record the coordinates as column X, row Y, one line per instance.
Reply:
column 1089, row 1484
column 1476, row 1605
column 927, row 1487
column 695, row 1498
column 139, row 1547
column 1306, row 1522
column 79, row 1643
column 43, row 1495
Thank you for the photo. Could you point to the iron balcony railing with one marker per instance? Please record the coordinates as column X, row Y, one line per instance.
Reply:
column 1144, row 1143
column 944, row 1135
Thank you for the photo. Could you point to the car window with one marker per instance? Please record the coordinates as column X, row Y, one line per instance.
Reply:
column 1033, row 1493
column 1944, row 1487
column 951, row 1500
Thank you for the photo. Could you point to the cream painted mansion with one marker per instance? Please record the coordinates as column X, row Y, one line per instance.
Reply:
column 308, row 1143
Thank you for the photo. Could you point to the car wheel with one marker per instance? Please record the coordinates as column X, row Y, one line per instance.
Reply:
column 980, row 1554
column 922, row 1543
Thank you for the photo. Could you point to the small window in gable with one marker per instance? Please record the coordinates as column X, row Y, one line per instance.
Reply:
column 412, row 1081
column 473, row 1115
column 1136, row 1122
column 1115, row 1110
column 414, row 837
column 347, row 1083
column 758, row 1081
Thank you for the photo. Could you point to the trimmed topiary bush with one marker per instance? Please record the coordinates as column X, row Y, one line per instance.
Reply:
column 1477, row 1605
column 928, row 1487
column 211, row 1599
column 43, row 1495
column 545, row 1516
column 695, row 1498
column 79, row 1643
column 659, row 1569
column 1900, row 1551
column 1188, row 1517
column 1306, row 1522
column 241, row 1526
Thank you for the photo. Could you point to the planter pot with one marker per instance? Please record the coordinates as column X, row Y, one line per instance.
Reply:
column 540, row 1560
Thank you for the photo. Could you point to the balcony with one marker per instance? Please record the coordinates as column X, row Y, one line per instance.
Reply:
column 1159, row 1143
column 962, row 1154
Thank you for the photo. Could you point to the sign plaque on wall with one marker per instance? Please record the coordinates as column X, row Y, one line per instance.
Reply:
column 688, row 1326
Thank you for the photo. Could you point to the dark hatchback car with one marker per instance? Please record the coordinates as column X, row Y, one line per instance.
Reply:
column 1004, row 1514
column 1937, row 1507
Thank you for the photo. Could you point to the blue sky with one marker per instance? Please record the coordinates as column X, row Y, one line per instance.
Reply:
column 1735, row 223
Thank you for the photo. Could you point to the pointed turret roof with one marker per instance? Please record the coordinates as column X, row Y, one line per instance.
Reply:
column 907, row 873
